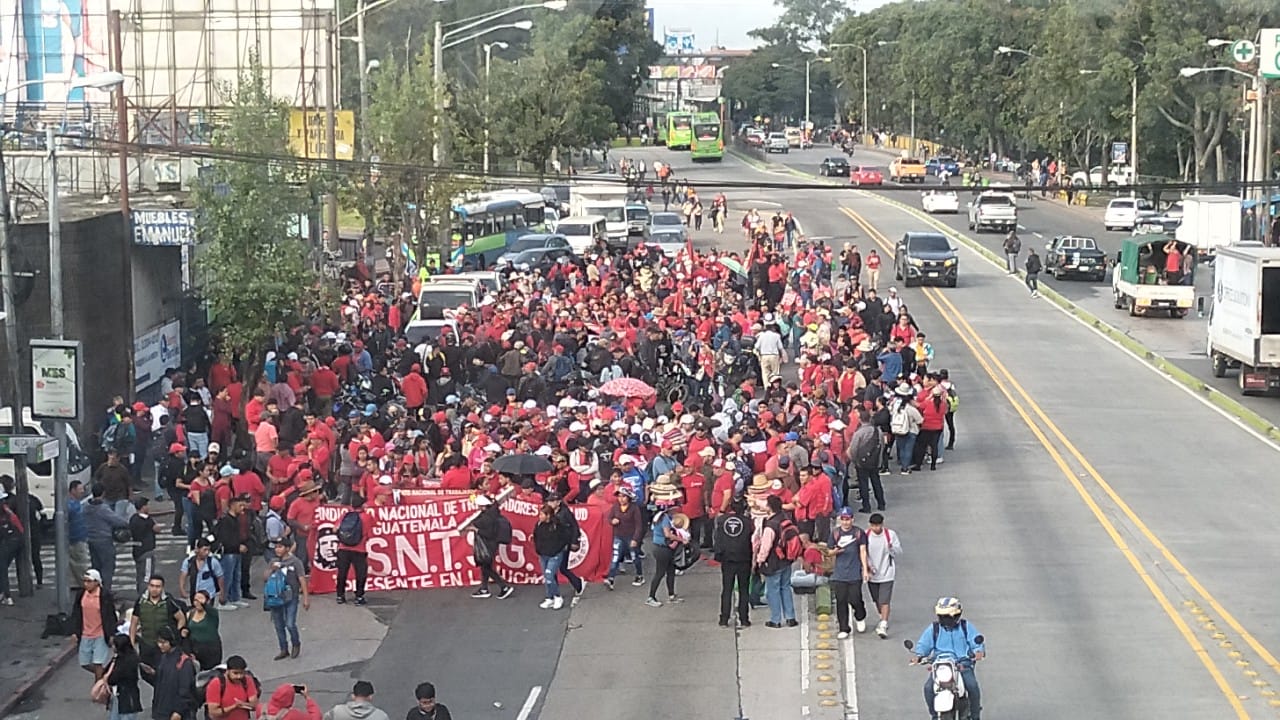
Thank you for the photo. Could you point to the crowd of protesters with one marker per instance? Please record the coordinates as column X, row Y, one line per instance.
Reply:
column 773, row 388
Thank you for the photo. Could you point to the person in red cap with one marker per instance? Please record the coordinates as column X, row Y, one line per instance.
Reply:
column 171, row 471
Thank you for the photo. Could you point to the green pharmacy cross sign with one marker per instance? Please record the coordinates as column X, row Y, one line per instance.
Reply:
column 1244, row 51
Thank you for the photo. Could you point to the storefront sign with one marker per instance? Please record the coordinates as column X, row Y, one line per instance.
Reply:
column 164, row 227
column 55, row 379
column 417, row 545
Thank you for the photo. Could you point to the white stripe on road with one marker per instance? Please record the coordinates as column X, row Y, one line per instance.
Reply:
column 527, row 709
column 759, row 202
column 804, row 646
column 850, row 681
column 1022, row 227
column 1038, row 235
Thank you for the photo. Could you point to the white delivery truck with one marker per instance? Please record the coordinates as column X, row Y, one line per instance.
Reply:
column 1244, row 320
column 1209, row 222
column 608, row 201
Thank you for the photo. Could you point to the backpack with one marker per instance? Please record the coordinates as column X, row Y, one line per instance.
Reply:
column 277, row 592
column 351, row 528
column 899, row 422
column 208, row 505
column 504, row 530
column 953, row 400
column 788, row 545
column 109, row 436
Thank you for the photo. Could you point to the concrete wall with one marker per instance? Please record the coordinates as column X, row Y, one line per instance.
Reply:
column 95, row 310
column 156, row 276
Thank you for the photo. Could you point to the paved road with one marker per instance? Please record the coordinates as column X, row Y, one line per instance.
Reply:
column 1073, row 518
column 1181, row 341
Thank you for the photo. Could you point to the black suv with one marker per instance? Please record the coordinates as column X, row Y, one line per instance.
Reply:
column 925, row 257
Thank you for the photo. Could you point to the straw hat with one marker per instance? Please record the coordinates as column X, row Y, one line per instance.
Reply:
column 759, row 484
column 663, row 489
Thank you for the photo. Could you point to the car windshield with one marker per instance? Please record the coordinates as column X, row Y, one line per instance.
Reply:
column 528, row 242
column 1122, row 204
column 446, row 298
column 614, row 215
column 836, row 161
column 929, row 244
column 671, row 219
column 995, row 200
column 637, row 213
column 666, row 238
column 573, row 229
column 425, row 331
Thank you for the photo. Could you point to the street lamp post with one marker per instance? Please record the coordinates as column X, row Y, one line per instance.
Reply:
column 1258, row 127
column 1133, row 124
column 488, row 59
column 865, row 123
column 808, row 67
column 98, row 81
column 438, row 47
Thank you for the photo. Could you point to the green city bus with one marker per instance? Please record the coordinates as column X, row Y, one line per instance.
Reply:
column 484, row 226
column 679, row 130
column 707, row 141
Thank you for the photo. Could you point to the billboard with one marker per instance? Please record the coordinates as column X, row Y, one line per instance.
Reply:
column 47, row 43
column 677, row 41
column 308, row 136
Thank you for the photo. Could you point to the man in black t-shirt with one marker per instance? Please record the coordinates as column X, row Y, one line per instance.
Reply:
column 427, row 707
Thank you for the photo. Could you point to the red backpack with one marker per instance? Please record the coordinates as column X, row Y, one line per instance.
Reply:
column 787, row 544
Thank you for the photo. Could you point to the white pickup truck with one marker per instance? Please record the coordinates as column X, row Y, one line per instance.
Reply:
column 993, row 211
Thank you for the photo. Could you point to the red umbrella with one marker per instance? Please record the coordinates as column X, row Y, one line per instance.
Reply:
column 627, row 387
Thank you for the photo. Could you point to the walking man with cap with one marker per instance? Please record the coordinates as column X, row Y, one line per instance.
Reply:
column 359, row 707
column 849, row 543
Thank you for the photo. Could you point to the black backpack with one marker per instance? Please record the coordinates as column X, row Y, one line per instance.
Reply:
column 351, row 528
column 504, row 530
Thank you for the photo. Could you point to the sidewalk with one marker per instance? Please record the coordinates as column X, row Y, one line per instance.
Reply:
column 30, row 660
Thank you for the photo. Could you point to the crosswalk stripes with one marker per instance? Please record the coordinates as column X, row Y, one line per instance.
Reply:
column 168, row 549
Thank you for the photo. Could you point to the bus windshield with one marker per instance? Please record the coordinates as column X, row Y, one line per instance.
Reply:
column 682, row 122
column 706, row 132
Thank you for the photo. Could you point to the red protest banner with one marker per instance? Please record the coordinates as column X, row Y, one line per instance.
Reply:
column 417, row 544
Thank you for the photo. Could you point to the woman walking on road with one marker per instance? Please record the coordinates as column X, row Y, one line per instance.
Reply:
column 670, row 530
column 550, row 542
column 202, row 630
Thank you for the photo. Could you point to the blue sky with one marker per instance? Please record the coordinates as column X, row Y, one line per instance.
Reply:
column 730, row 19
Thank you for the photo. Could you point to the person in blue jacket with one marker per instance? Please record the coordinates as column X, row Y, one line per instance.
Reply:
column 957, row 638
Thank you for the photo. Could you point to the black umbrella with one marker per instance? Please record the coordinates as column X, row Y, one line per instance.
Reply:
column 521, row 464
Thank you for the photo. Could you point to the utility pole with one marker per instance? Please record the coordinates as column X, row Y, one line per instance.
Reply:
column 1133, row 130
column 331, row 128
column 866, row 122
column 437, row 59
column 362, row 52
column 62, row 539
column 15, row 359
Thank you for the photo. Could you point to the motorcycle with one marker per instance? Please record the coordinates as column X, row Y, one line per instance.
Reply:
column 950, row 700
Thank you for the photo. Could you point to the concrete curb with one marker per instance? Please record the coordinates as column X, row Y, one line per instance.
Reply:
column 15, row 699
column 1219, row 399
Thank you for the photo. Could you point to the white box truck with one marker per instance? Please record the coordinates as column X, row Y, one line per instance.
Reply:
column 1244, row 320
column 608, row 201
column 1209, row 222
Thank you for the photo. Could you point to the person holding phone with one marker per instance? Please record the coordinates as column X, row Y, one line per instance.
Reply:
column 234, row 694
column 280, row 706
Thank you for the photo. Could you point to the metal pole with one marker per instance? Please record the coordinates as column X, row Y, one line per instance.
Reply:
column 437, row 59
column 1133, row 129
column 488, row 58
column 122, row 133
column 866, row 122
column 912, row 150
column 331, row 129
column 61, row 542
column 25, row 588
column 808, row 65
column 362, row 52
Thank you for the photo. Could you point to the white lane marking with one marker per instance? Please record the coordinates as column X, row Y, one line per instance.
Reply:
column 850, row 681
column 1272, row 444
column 1022, row 227
column 1038, row 235
column 770, row 203
column 804, row 648
column 527, row 709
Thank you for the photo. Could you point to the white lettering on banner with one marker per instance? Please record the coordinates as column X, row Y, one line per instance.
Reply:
column 164, row 227
column 154, row 351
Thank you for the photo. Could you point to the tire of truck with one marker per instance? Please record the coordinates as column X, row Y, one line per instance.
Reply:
column 1133, row 307
column 1179, row 312
column 1117, row 300
column 1218, row 364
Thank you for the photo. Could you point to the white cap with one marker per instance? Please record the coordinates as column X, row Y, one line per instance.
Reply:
column 543, row 451
column 576, row 427
column 836, row 424
column 647, row 424
column 618, row 425
column 292, row 356
column 568, row 402
column 686, row 419
column 493, row 448
column 385, row 480
column 530, row 404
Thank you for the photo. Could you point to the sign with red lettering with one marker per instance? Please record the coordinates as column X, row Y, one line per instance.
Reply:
column 417, row 544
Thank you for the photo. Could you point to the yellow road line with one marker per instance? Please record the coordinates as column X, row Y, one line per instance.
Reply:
column 1263, row 653
column 951, row 316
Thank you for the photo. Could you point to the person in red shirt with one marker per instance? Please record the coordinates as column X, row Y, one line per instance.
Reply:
column 324, row 385
column 278, row 468
column 355, row 556
column 253, row 411
column 414, row 388
column 234, row 696
column 813, row 504
column 457, row 476
column 221, row 374
column 695, row 506
column 249, row 483
column 302, row 513
column 721, row 489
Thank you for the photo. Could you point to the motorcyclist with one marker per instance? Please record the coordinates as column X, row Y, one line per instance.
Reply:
column 952, row 636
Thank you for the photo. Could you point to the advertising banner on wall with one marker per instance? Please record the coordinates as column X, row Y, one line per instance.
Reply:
column 154, row 351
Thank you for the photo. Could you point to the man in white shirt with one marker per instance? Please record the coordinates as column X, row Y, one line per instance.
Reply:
column 883, row 549
column 770, row 348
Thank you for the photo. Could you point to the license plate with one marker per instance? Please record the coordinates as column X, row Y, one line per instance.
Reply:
column 933, row 274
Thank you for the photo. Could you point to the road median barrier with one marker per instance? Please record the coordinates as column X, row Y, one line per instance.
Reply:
column 1217, row 398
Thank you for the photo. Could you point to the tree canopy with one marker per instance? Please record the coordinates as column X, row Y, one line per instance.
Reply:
column 1035, row 99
